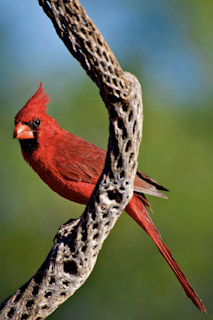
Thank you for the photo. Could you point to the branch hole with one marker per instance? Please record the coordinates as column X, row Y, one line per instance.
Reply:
column 18, row 297
column 79, row 50
column 134, row 126
column 93, row 215
column 131, row 156
column 124, row 135
column 29, row 303
column 99, row 53
column 70, row 267
column 96, row 235
column 116, row 207
column 130, row 116
column 44, row 307
column 103, row 64
column 48, row 294
column 10, row 312
column 72, row 245
column 107, row 79
column 124, row 107
column 92, row 206
column 84, row 248
column 110, row 70
column 118, row 92
column 52, row 280
column 105, row 56
column 122, row 174
column 121, row 84
column 113, row 113
column 35, row 290
column 128, row 145
column 95, row 226
column 49, row 5
column 120, row 123
column 100, row 41
column 115, row 149
column 84, row 236
column 115, row 195
column 76, row 5
column 63, row 294
column 38, row 277
column 84, row 21
column 84, row 225
column 114, row 80
column 120, row 162
column 88, row 45
column 117, row 72
column 111, row 177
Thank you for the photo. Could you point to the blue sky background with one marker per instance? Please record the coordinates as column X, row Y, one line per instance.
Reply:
column 159, row 36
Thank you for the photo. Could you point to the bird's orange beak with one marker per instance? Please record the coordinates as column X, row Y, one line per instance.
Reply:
column 23, row 131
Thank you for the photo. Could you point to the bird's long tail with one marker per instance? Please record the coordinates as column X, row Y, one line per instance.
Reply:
column 138, row 211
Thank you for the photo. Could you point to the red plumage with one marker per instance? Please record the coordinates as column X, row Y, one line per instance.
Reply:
column 71, row 166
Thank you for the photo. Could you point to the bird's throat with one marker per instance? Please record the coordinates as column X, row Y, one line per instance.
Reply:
column 29, row 145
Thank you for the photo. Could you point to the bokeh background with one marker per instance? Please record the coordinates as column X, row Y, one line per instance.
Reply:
column 168, row 45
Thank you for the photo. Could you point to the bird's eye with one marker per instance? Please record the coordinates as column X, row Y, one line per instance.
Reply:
column 37, row 122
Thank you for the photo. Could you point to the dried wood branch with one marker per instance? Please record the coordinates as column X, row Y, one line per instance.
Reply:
column 72, row 258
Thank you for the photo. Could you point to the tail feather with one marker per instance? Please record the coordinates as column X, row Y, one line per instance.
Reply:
column 143, row 184
column 137, row 210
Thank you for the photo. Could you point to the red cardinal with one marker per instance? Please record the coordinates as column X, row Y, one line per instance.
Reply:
column 71, row 167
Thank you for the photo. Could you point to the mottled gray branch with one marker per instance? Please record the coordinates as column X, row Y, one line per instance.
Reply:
column 72, row 258
column 87, row 45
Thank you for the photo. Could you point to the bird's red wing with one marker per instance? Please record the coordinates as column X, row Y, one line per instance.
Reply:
column 79, row 160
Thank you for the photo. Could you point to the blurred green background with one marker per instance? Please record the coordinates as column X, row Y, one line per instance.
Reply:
column 168, row 45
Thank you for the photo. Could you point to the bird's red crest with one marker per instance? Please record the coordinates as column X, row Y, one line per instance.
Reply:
column 36, row 105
